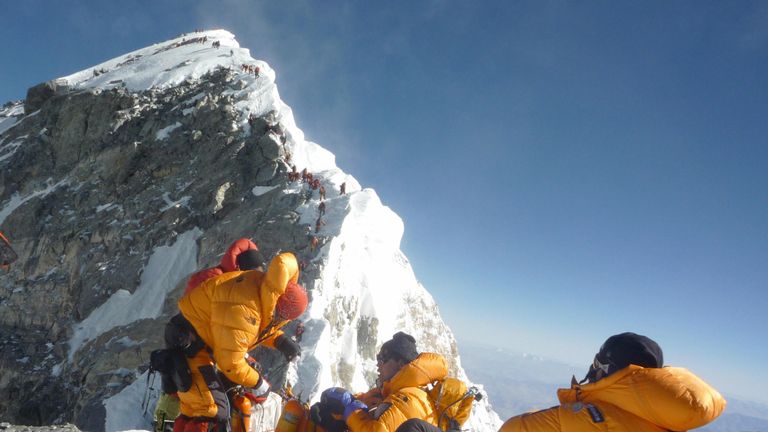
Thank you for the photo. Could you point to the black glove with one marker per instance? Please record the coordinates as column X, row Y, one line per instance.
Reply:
column 289, row 347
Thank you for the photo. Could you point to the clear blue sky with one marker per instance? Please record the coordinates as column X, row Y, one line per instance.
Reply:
column 565, row 170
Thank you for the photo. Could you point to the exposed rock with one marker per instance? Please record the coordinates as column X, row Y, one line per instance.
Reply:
column 37, row 95
column 117, row 192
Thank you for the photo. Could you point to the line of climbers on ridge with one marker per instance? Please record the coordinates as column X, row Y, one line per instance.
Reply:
column 211, row 383
column 251, row 69
column 313, row 184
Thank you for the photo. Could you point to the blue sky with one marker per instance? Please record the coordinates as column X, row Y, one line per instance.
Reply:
column 565, row 170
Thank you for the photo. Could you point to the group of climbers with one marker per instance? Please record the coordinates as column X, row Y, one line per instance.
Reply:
column 251, row 69
column 313, row 184
column 185, row 41
column 410, row 385
column 627, row 387
column 228, row 310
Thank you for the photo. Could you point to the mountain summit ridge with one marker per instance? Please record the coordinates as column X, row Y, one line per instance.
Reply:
column 118, row 181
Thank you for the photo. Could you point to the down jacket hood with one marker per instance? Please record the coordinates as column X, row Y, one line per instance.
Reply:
column 670, row 397
column 229, row 260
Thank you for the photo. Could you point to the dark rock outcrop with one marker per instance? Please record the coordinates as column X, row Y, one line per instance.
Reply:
column 118, row 183
column 39, row 94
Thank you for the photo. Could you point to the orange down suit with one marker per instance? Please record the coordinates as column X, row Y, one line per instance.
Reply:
column 404, row 397
column 232, row 314
column 228, row 264
column 634, row 399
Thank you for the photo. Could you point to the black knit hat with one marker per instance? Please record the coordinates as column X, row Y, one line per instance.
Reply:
column 250, row 259
column 402, row 345
column 622, row 350
column 629, row 348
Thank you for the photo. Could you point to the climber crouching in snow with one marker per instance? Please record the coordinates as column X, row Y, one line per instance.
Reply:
column 401, row 393
column 627, row 389
column 222, row 319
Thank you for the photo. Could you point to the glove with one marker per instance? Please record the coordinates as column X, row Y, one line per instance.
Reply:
column 340, row 401
column 289, row 347
column 258, row 393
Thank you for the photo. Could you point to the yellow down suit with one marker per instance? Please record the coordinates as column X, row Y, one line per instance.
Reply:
column 232, row 314
column 634, row 399
column 404, row 397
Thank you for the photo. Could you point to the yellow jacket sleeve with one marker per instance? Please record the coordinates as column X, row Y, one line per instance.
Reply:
column 406, row 404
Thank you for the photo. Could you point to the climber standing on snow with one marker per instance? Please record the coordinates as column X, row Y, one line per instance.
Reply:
column 224, row 318
column 627, row 389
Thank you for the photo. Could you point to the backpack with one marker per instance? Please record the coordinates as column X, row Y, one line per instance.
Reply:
column 453, row 402
column 172, row 366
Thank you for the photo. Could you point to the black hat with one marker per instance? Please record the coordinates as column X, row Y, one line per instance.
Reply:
column 622, row 350
column 250, row 260
column 401, row 345
column 629, row 348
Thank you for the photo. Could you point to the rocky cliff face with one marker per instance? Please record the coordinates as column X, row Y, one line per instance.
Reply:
column 112, row 192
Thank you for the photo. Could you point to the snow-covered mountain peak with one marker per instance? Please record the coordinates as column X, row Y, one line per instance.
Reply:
column 122, row 179
column 165, row 64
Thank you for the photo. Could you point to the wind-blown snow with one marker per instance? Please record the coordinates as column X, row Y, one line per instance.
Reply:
column 166, row 267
